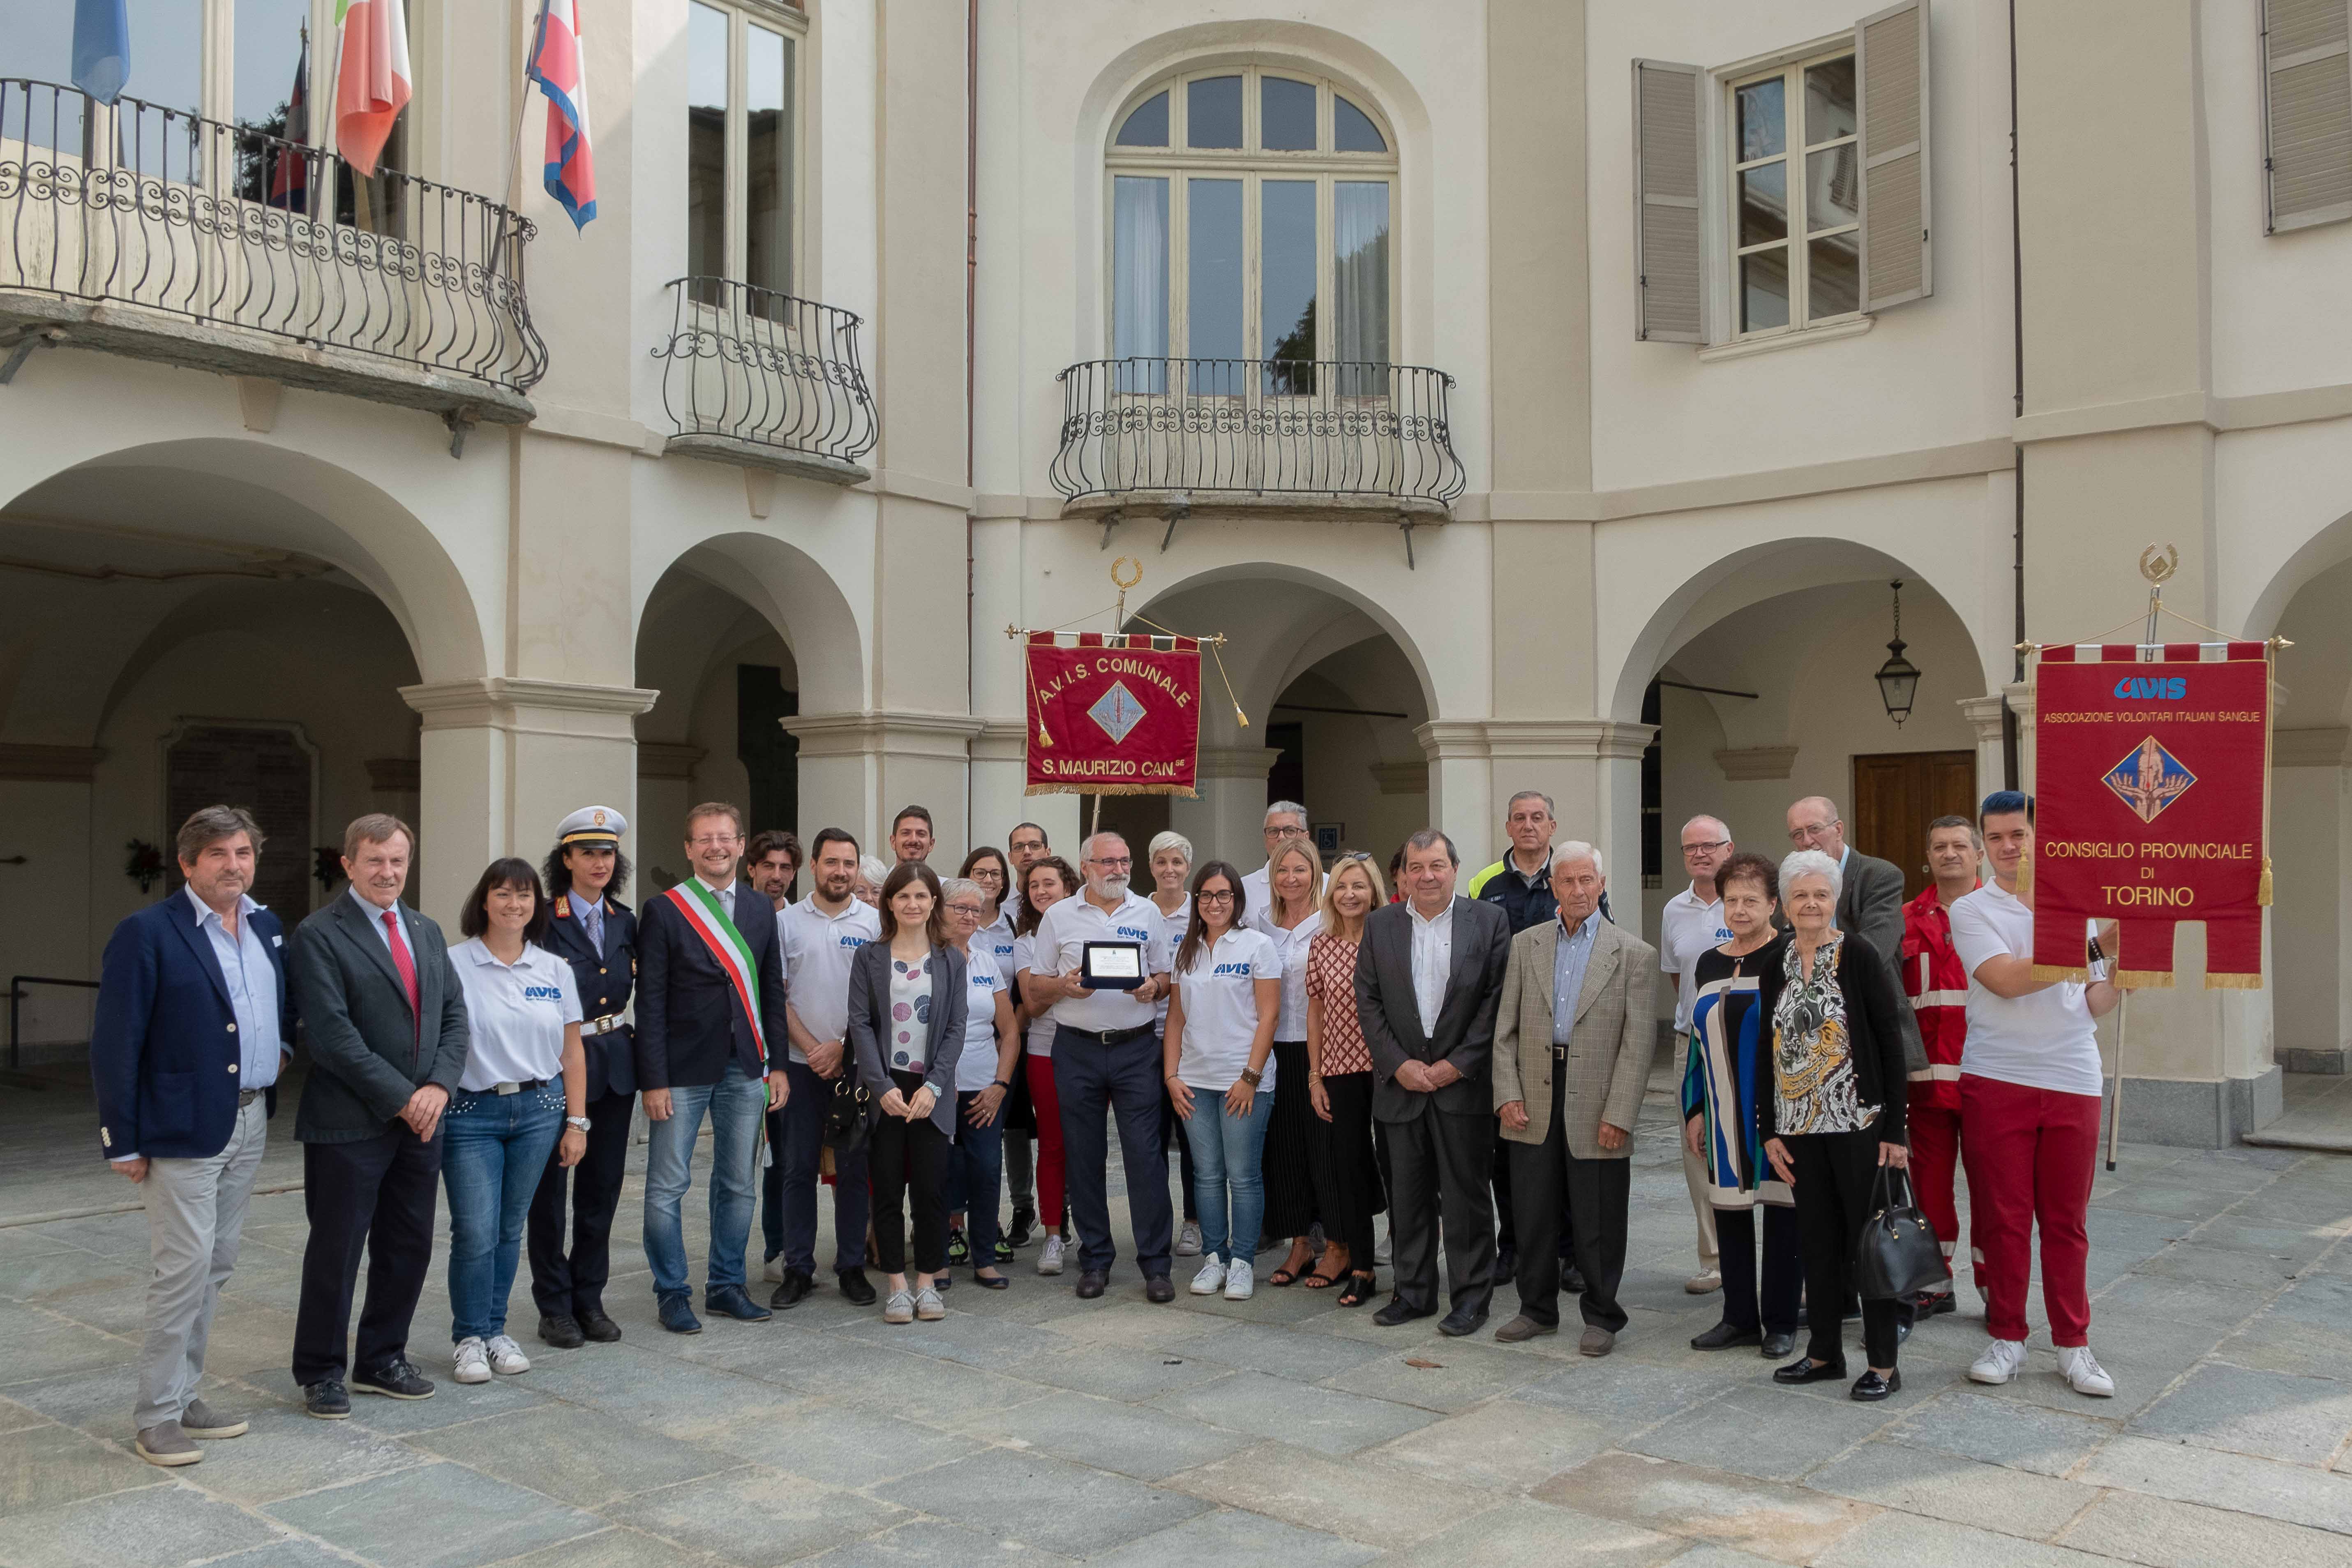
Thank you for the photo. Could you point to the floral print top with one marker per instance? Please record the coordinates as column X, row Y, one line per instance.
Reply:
column 1812, row 1053
column 908, row 1038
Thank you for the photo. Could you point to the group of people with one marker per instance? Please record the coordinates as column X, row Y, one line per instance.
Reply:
column 1314, row 1046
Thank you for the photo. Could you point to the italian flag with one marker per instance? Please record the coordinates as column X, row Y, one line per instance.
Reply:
column 701, row 910
column 372, row 82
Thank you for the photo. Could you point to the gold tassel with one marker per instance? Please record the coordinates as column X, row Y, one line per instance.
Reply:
column 2144, row 979
column 2262, row 893
column 2045, row 973
column 2232, row 982
column 2025, row 878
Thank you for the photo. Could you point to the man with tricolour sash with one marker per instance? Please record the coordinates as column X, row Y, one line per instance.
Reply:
column 709, row 999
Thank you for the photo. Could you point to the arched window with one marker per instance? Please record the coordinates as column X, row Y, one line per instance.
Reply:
column 1250, row 220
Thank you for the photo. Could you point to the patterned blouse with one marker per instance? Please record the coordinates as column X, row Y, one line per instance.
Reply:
column 910, row 1031
column 1331, row 980
column 1812, row 1053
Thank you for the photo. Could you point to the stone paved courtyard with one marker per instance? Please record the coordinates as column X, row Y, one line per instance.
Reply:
column 1034, row 1428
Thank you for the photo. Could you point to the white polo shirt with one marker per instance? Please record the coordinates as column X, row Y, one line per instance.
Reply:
column 997, row 937
column 1176, row 925
column 985, row 982
column 818, row 949
column 514, row 1014
column 1220, row 1015
column 1040, row 1040
column 1687, row 929
column 1290, row 946
column 1061, row 948
column 2046, row 1040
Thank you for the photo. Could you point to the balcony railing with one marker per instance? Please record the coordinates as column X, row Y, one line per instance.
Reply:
column 133, row 220
column 1353, row 433
column 758, row 377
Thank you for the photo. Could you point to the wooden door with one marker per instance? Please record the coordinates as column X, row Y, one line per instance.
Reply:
column 1897, row 794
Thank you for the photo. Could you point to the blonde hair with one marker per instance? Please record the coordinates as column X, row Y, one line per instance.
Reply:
column 1304, row 851
column 1364, row 863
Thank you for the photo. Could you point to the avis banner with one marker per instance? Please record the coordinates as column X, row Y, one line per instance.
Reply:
column 1113, row 715
column 2152, row 774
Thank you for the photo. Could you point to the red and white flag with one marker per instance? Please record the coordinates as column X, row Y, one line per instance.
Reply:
column 557, row 66
column 372, row 79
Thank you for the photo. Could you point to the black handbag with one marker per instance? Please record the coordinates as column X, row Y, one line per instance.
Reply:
column 1897, row 1254
column 845, row 1115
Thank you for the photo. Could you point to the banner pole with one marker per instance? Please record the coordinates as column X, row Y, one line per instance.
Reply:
column 2115, row 1112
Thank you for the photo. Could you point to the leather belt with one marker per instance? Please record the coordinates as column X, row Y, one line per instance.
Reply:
column 604, row 1025
column 246, row 1097
column 1105, row 1037
column 517, row 1087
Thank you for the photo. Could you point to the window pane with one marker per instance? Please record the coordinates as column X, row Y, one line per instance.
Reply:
column 1764, row 290
column 1213, row 296
column 1213, row 112
column 1764, row 204
column 1828, row 102
column 1286, row 289
column 1286, row 116
column 1360, row 283
column 1763, row 122
column 1139, row 266
column 767, row 126
column 706, row 144
column 1352, row 129
column 1147, row 124
column 1833, row 287
column 1833, row 187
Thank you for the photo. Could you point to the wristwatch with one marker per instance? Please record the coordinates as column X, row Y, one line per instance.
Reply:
column 1252, row 1079
column 579, row 1121
column 1003, row 1084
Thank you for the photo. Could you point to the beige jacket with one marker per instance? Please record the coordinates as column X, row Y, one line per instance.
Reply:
column 1609, row 1052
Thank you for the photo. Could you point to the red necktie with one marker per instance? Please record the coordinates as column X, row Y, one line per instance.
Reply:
column 405, row 964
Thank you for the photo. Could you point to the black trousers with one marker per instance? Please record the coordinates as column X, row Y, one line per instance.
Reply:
column 909, row 1161
column 376, row 1196
column 1347, row 1188
column 1505, row 1206
column 1440, row 1166
column 1171, row 1137
column 1772, row 1306
column 1836, row 1171
column 570, row 1285
column 1549, row 1186
column 1095, row 1081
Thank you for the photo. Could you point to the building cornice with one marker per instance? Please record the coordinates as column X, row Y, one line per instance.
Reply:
column 893, row 732
column 526, row 707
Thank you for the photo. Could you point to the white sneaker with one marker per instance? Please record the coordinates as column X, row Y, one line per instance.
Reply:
column 473, row 1362
column 1049, row 1257
column 2000, row 1361
column 506, row 1356
column 1210, row 1279
column 1188, row 1240
column 1239, row 1284
column 2083, row 1373
column 772, row 1272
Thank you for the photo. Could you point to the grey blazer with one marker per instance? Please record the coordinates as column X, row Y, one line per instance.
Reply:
column 1390, row 1015
column 1609, row 1050
column 368, row 1052
column 870, row 1013
column 1870, row 905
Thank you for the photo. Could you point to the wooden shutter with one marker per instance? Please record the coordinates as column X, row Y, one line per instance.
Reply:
column 2306, row 112
column 1669, row 300
column 1891, row 65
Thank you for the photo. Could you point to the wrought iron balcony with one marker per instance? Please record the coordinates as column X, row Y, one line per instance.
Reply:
column 760, row 378
column 1167, row 434
column 150, row 232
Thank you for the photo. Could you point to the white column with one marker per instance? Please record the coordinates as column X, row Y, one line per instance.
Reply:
column 1227, row 822
column 858, row 769
column 1984, row 714
column 1461, row 786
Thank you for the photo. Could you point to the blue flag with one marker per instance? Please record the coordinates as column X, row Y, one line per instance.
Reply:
column 102, row 48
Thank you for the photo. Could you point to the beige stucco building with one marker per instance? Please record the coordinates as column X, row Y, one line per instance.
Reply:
column 1539, row 393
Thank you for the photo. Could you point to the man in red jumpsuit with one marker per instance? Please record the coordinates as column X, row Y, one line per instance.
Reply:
column 1937, row 986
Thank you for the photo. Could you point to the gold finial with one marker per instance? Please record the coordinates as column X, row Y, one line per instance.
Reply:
column 2158, row 562
column 1124, row 584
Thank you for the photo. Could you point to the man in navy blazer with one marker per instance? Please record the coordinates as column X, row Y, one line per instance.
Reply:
column 193, row 1026
column 699, row 1052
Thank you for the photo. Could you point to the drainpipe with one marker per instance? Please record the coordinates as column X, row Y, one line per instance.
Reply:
column 970, row 341
column 2010, row 762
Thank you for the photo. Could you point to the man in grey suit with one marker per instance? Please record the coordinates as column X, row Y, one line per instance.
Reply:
column 1427, row 976
column 1870, row 905
column 1574, row 1033
column 374, row 985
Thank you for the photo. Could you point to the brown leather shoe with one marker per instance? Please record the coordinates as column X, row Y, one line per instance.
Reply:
column 1523, row 1328
column 1596, row 1340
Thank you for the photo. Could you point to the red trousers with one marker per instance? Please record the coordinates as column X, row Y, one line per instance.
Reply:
column 1934, row 1165
column 1048, row 1102
column 2030, row 1155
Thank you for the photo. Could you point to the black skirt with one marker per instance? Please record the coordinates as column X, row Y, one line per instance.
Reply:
column 1290, row 1138
column 1347, row 1188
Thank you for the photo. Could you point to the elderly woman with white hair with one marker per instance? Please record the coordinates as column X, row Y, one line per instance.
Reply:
column 1835, row 1115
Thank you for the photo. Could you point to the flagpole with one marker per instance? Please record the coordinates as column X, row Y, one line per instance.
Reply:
column 512, row 188
column 2155, row 569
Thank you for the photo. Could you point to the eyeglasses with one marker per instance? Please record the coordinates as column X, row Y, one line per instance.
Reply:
column 1707, row 847
column 1222, row 896
column 1799, row 835
column 971, row 909
column 714, row 841
column 1121, row 864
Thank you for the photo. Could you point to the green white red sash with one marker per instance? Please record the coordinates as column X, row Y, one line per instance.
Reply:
column 700, row 908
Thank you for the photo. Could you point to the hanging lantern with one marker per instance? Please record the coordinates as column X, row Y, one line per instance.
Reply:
column 1898, row 678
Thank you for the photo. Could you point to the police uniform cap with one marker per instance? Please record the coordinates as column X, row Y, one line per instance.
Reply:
column 592, row 825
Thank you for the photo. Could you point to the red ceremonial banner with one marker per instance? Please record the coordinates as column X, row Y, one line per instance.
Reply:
column 1113, row 715
column 2152, row 786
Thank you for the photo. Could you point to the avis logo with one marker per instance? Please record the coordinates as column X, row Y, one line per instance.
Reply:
column 1241, row 969
column 2150, row 689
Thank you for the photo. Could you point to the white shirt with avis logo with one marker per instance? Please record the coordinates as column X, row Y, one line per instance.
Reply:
column 1039, row 1039
column 1687, row 929
column 1220, row 1015
column 818, row 949
column 515, row 1013
column 1061, row 949
column 2045, row 1040
column 983, row 981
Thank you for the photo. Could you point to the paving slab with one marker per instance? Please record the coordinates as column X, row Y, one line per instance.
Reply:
column 755, row 1516
column 934, row 1543
column 966, row 1338
column 1449, row 1379
column 284, row 1453
column 157, row 1527
column 845, row 1441
column 1524, row 1535
column 1149, row 1444
column 1120, row 1371
column 432, row 1516
column 48, row 1466
column 1946, row 1486
column 1323, row 1419
column 1769, row 1432
column 1501, row 1445
column 1784, row 1523
column 2187, row 1473
column 2270, row 1415
column 2006, row 1432
column 2168, row 1534
column 1628, row 1395
column 1367, row 1503
column 1229, row 1535
column 1283, row 1352
column 1917, row 1542
column 582, row 1457
column 1025, row 1495
column 613, row 1547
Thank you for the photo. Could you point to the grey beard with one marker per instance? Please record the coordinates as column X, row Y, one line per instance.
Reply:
column 1111, row 887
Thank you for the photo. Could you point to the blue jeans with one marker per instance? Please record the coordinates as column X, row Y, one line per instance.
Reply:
column 975, row 1176
column 495, row 1148
column 1225, row 1160
column 789, row 1189
column 735, row 1104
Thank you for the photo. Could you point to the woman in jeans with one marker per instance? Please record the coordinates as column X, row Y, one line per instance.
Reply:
column 1292, row 877
column 1170, row 860
column 1219, row 1039
column 522, row 1010
column 1835, row 1115
column 1048, row 880
column 906, row 1024
column 991, row 1049
column 1347, row 1190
